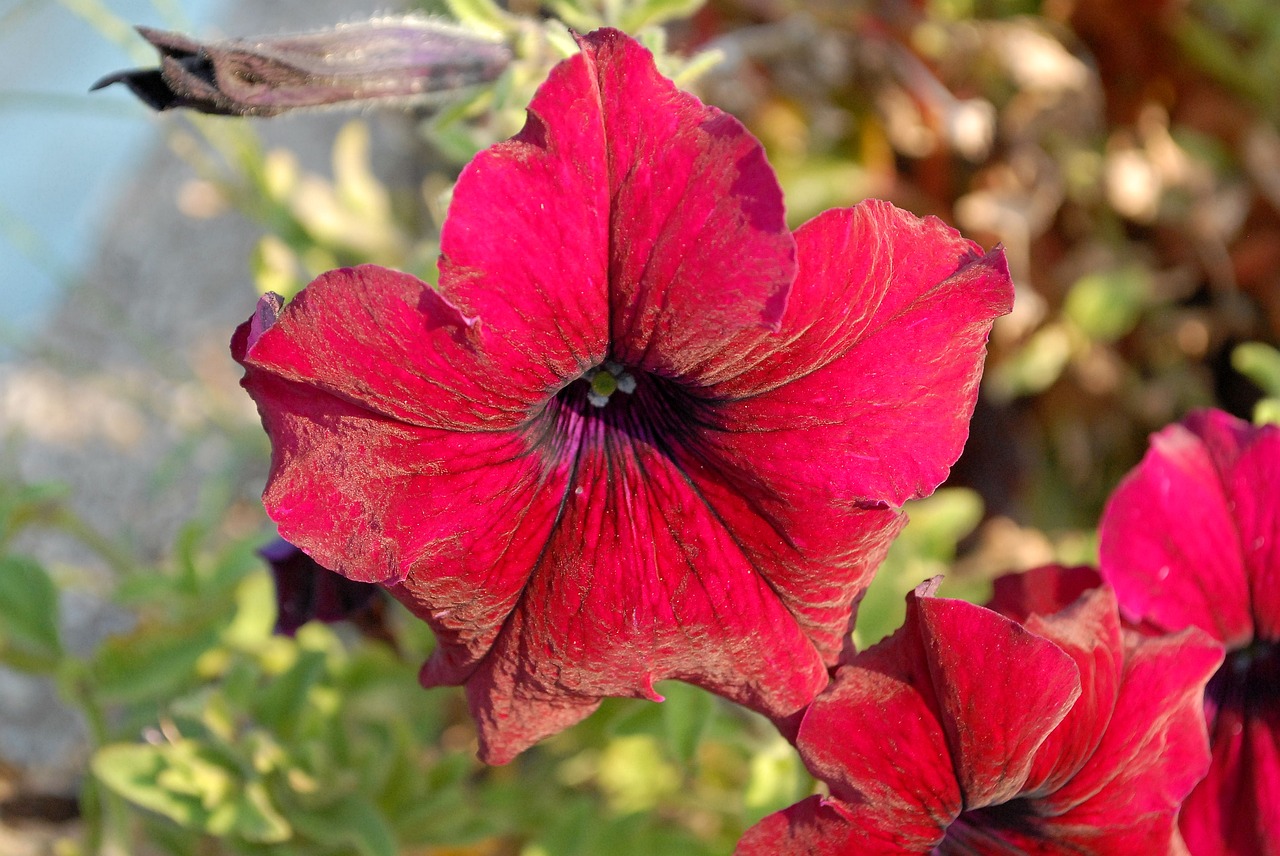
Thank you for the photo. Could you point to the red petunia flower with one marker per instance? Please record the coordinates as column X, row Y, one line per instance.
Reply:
column 1191, row 538
column 967, row 732
column 641, row 430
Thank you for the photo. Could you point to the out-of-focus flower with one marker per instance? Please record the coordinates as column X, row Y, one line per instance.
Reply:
column 403, row 59
column 307, row 591
column 1191, row 538
column 641, row 431
column 968, row 732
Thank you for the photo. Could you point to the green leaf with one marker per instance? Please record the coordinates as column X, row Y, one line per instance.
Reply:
column 353, row 821
column 189, row 784
column 1259, row 363
column 22, row 505
column 154, row 661
column 28, row 615
column 652, row 12
column 1107, row 305
column 925, row 549
column 136, row 773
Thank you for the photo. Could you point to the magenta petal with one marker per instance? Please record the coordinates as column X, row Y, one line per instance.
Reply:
column 1253, row 484
column 1185, row 530
column 871, row 382
column 1001, row 690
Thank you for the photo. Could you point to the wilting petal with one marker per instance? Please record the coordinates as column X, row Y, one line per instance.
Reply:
column 388, row 59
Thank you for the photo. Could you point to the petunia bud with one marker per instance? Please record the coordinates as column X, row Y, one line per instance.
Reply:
column 388, row 59
column 307, row 591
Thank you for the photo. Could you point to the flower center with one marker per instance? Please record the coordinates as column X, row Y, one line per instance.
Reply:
column 613, row 410
column 1248, row 681
column 606, row 379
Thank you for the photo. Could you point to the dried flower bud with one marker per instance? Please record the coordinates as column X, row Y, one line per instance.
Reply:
column 388, row 59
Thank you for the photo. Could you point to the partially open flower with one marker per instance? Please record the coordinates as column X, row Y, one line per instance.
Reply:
column 387, row 59
column 1191, row 538
column 968, row 732
column 641, row 431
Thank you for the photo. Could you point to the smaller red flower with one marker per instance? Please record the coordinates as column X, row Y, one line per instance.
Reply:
column 1191, row 538
column 970, row 732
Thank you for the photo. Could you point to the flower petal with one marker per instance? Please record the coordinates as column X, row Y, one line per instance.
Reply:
column 640, row 582
column 812, row 827
column 385, row 342
column 1152, row 754
column 1235, row 809
column 1174, row 535
column 1085, row 624
column 626, row 220
column 1001, row 690
column 874, row 737
column 867, row 391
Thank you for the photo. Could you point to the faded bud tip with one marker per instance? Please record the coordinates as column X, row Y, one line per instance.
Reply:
column 406, row 60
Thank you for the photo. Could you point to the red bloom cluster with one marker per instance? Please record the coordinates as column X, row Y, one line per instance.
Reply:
column 1047, row 730
column 641, row 430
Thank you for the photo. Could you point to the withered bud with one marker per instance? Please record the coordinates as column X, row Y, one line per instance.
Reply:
column 403, row 59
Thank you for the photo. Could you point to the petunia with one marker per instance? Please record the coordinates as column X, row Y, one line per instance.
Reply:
column 970, row 732
column 306, row 591
column 641, row 430
column 388, row 59
column 1191, row 538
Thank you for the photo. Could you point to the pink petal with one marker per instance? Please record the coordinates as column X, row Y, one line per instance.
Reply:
column 1251, row 474
column 1152, row 754
column 1185, row 530
column 1001, row 691
column 626, row 216
column 867, row 392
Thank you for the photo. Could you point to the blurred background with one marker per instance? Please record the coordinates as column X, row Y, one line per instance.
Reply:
column 1126, row 155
